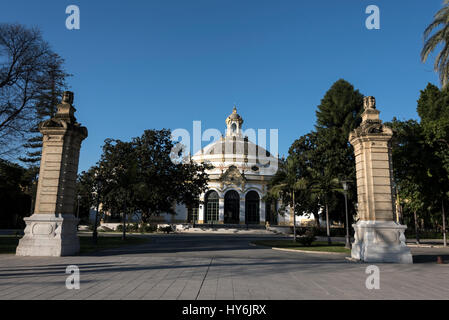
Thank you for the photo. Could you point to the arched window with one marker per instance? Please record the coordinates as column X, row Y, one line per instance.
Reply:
column 252, row 208
column 232, row 207
column 211, row 205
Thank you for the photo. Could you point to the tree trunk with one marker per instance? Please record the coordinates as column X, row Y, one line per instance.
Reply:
column 294, row 217
column 444, row 223
column 95, row 231
column 317, row 220
column 124, row 225
column 327, row 225
column 416, row 227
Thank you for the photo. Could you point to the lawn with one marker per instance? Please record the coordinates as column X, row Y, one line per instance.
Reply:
column 319, row 246
column 8, row 243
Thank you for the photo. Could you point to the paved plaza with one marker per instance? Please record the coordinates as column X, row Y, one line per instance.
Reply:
column 219, row 266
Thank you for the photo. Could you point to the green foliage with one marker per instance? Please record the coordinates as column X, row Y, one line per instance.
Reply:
column 166, row 229
column 146, row 228
column 340, row 109
column 433, row 109
column 140, row 176
column 306, row 236
column 86, row 186
column 26, row 66
column 438, row 39
column 420, row 160
column 15, row 194
column 306, row 240
column 323, row 158
column 412, row 159
column 338, row 114
column 51, row 86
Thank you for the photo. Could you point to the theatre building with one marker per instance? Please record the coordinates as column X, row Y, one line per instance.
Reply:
column 237, row 183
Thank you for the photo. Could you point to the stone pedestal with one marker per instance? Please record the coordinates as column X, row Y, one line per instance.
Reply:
column 49, row 235
column 52, row 229
column 380, row 241
column 377, row 237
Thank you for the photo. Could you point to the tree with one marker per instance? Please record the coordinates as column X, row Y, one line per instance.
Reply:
column 285, row 185
column 338, row 114
column 440, row 37
column 433, row 109
column 24, row 60
column 140, row 176
column 303, row 150
column 15, row 197
column 412, row 162
column 117, row 178
column 324, row 184
column 52, row 85
column 87, row 191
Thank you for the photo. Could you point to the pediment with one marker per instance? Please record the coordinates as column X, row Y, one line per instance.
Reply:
column 232, row 176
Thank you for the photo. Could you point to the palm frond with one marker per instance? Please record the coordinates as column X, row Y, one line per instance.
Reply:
column 441, row 19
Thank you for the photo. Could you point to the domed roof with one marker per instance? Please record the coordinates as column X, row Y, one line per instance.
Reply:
column 229, row 151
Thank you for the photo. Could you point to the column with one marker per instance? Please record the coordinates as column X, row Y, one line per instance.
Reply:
column 221, row 210
column 201, row 210
column 378, row 238
column 52, row 229
column 242, row 209
column 262, row 212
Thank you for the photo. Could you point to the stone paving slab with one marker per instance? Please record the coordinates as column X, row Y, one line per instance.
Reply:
column 191, row 266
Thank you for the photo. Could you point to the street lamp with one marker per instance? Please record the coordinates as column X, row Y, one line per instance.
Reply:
column 345, row 188
column 78, row 207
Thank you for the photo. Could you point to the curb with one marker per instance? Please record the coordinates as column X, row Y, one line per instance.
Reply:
column 294, row 250
column 413, row 245
column 307, row 251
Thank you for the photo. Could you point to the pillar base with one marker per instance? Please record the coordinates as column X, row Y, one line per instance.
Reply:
column 380, row 241
column 49, row 235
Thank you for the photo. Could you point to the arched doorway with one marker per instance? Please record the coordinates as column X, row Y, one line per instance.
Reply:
column 211, row 205
column 192, row 212
column 232, row 207
column 252, row 208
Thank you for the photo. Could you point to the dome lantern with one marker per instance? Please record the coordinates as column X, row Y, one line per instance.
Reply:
column 234, row 124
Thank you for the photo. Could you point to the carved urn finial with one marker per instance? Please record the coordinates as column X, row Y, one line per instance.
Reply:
column 66, row 110
column 67, row 97
column 369, row 102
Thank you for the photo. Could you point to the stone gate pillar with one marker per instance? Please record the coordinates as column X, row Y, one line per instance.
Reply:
column 378, row 238
column 52, row 229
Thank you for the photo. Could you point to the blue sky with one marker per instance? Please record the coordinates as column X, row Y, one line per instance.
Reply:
column 162, row 64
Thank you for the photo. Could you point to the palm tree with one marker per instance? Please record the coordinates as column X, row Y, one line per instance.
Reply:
column 313, row 185
column 284, row 186
column 440, row 37
column 322, row 185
